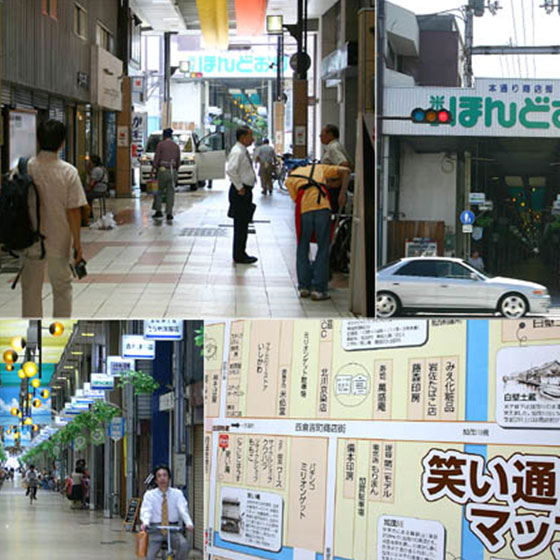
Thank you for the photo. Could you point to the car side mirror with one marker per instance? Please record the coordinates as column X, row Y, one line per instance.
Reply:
column 474, row 276
column 203, row 148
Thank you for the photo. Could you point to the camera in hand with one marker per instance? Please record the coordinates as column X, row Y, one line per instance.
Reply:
column 79, row 268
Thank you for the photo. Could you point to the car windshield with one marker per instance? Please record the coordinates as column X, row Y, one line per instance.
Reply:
column 385, row 266
column 484, row 274
column 153, row 141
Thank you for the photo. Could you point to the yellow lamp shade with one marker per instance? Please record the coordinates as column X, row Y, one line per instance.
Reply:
column 18, row 343
column 10, row 367
column 21, row 374
column 35, row 428
column 16, row 435
column 30, row 369
column 20, row 414
column 10, row 356
column 36, row 383
column 28, row 421
column 9, row 431
column 56, row 328
column 45, row 393
column 37, row 403
column 14, row 411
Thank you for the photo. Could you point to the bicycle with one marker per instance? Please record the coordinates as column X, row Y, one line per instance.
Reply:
column 166, row 552
column 341, row 247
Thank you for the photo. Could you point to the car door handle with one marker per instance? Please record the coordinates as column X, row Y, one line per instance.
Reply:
column 396, row 284
column 444, row 286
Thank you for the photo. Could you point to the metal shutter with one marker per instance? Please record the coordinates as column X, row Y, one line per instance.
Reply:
column 23, row 98
column 40, row 100
column 198, row 481
column 144, row 406
column 6, row 95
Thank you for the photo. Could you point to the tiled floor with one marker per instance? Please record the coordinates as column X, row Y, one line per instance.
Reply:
column 140, row 269
column 50, row 530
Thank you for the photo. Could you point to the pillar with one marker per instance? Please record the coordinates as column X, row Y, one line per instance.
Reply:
column 124, row 161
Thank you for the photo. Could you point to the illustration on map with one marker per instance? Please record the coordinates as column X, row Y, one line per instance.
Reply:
column 528, row 387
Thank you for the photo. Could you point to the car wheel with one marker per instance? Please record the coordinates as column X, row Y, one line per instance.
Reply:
column 513, row 306
column 387, row 305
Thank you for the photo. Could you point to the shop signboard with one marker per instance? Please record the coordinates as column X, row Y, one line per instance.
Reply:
column 163, row 329
column 102, row 381
column 136, row 346
column 493, row 107
column 257, row 63
column 117, row 365
column 107, row 73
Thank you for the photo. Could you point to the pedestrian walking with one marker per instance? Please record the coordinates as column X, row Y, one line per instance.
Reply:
column 61, row 196
column 166, row 163
column 308, row 188
column 239, row 168
column 165, row 506
column 335, row 154
column 265, row 156
column 77, row 488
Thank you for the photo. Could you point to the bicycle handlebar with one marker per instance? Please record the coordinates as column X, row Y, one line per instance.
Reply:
column 168, row 527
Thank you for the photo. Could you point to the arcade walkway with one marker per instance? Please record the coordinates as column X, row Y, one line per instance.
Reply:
column 184, row 269
column 50, row 530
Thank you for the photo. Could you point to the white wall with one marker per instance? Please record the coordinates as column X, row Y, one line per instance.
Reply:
column 187, row 102
column 428, row 187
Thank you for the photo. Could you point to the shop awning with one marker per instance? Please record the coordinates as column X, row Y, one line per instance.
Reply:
column 214, row 23
column 250, row 16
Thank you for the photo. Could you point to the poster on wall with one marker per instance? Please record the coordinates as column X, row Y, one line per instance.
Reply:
column 23, row 130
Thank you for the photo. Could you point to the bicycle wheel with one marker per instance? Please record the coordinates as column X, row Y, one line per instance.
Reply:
column 342, row 246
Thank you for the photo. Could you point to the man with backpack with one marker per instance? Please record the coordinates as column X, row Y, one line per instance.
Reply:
column 308, row 189
column 50, row 223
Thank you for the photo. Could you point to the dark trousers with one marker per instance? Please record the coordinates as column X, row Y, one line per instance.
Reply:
column 241, row 210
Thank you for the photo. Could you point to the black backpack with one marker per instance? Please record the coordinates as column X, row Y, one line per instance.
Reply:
column 16, row 228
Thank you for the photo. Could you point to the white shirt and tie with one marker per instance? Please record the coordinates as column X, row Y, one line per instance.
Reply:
column 177, row 507
column 239, row 167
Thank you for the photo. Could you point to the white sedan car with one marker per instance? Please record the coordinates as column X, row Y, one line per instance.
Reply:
column 449, row 284
column 200, row 160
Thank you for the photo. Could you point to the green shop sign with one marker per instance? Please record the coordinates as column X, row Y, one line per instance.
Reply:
column 515, row 108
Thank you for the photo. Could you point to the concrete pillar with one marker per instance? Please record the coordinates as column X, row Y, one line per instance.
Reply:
column 300, row 118
column 124, row 161
column 328, row 96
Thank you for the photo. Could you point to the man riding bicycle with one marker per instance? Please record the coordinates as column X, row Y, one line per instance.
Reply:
column 165, row 506
column 32, row 480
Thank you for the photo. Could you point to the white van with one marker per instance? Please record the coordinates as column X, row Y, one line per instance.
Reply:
column 201, row 159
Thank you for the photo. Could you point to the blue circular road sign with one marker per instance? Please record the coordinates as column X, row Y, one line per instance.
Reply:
column 467, row 217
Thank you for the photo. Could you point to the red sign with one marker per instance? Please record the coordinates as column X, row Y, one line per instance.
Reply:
column 224, row 441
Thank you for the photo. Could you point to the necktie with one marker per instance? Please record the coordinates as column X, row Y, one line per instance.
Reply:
column 164, row 515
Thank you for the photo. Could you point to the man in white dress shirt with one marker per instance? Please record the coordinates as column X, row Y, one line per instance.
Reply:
column 239, row 168
column 165, row 506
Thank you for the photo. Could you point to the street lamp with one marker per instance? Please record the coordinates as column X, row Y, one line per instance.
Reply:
column 275, row 25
